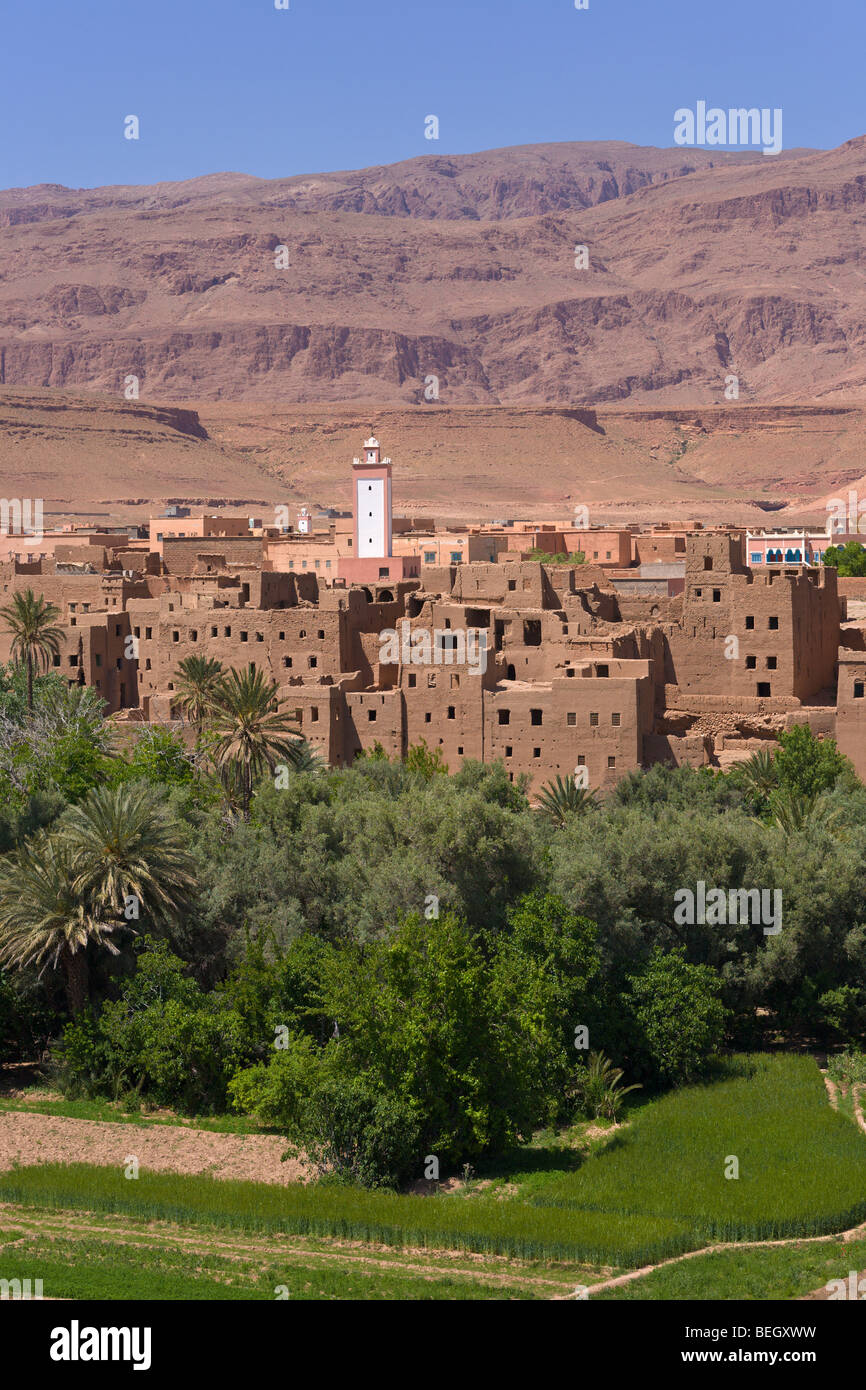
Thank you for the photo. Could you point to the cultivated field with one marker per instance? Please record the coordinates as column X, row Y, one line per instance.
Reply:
column 643, row 1210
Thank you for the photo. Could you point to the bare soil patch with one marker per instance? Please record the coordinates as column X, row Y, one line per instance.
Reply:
column 29, row 1139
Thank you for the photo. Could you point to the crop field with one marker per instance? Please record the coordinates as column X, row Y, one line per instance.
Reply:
column 647, row 1194
column 801, row 1165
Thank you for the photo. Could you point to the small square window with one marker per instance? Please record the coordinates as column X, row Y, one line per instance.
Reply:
column 581, row 760
column 763, row 689
column 245, row 637
column 571, row 719
column 751, row 663
column 371, row 715
column 773, row 624
column 504, row 716
column 535, row 716
column 772, row 663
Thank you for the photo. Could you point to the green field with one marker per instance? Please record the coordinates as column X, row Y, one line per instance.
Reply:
column 802, row 1166
column 652, row 1190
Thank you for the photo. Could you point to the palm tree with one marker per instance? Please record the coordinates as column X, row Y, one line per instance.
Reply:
column 759, row 773
column 198, row 679
column 125, row 844
column 251, row 732
column 558, row 800
column 35, row 638
column 43, row 921
column 599, row 1088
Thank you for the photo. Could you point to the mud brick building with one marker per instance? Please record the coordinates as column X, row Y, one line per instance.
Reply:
column 548, row 668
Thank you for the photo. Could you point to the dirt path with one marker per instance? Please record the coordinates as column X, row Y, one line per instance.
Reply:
column 292, row 1250
column 29, row 1139
column 855, row 1233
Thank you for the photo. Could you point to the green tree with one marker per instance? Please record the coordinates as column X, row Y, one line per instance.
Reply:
column 44, row 920
column 125, row 845
column 197, row 685
column 849, row 559
column 679, row 1015
column 251, row 733
column 35, row 636
column 560, row 799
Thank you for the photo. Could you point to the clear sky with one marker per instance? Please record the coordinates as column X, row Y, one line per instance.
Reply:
column 342, row 84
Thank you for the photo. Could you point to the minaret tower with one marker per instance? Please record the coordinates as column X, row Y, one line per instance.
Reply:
column 371, row 477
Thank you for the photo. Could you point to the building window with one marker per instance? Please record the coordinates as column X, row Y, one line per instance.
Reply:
column 611, row 762
column 512, row 584
column 602, row 670
column 245, row 636
column 763, row 689
column 717, row 595
column 371, row 715
column 708, row 562
column 213, row 632
column 287, row 661
column 98, row 659
column 750, row 623
column 532, row 632
column 756, row 557
column 772, row 663
column 427, row 717
column 571, row 719
column 699, row 593
column 413, row 680
column 175, row 637
column 504, row 716
column 593, row 720
column 508, row 750
column 751, row 663
column 615, row 720
column 773, row 624
column 452, row 712
column 429, row 557
column 536, row 752
column 535, row 716
column 858, row 690
column 227, row 631
column 581, row 760
column 314, row 661
column 314, row 714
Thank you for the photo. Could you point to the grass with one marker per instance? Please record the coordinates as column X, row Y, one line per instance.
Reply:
column 781, row 1273
column 98, row 1269
column 34, row 1102
column 483, row 1225
column 802, row 1166
column 638, row 1195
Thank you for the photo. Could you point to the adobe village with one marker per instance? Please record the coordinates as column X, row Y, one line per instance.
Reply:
column 553, row 647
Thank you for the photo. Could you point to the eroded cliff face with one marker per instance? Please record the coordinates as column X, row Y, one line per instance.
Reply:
column 452, row 278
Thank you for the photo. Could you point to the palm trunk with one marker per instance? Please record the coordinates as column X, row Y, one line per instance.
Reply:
column 29, row 680
column 77, row 980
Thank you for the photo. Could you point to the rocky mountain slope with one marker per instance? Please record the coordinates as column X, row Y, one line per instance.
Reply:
column 701, row 267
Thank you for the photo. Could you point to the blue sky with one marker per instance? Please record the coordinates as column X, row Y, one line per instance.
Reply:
column 341, row 84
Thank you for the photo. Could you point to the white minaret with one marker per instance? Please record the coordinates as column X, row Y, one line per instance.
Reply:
column 372, row 493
